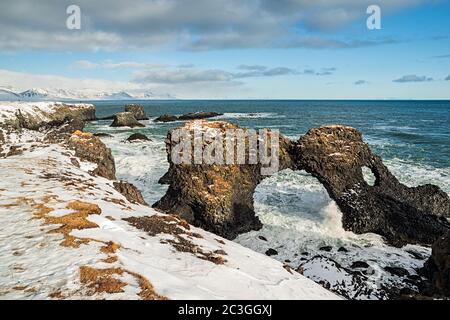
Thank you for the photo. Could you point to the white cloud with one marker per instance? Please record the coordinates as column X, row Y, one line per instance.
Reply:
column 187, row 24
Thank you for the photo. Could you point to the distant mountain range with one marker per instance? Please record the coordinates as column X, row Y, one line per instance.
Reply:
column 40, row 94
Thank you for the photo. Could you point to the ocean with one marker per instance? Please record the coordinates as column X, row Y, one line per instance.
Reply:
column 412, row 137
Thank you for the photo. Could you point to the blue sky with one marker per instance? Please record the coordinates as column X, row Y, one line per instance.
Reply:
column 284, row 49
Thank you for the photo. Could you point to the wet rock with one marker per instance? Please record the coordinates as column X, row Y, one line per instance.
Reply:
column 137, row 110
column 103, row 135
column 136, row 137
column 326, row 248
column 342, row 249
column 271, row 252
column 336, row 155
column 262, row 238
column 130, row 192
column 437, row 268
column 166, row 118
column 89, row 148
column 199, row 115
column 217, row 198
column 305, row 253
column 125, row 119
column 397, row 271
column 359, row 264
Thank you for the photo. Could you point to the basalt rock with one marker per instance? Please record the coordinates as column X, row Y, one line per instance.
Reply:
column 217, row 198
column 437, row 268
column 125, row 119
column 136, row 137
column 130, row 192
column 199, row 115
column 336, row 155
column 166, row 118
column 137, row 110
column 89, row 148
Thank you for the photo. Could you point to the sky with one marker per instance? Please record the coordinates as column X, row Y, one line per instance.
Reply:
column 230, row 49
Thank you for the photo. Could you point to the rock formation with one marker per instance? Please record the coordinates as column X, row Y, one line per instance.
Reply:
column 219, row 198
column 130, row 192
column 125, row 119
column 335, row 155
column 188, row 116
column 89, row 148
column 437, row 268
column 136, row 137
column 137, row 110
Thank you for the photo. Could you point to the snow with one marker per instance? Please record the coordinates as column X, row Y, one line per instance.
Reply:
column 34, row 264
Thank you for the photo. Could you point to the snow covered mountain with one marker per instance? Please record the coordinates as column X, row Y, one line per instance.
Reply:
column 54, row 94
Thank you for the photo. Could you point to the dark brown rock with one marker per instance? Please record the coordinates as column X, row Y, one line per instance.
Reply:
column 138, row 137
column 137, row 110
column 217, row 198
column 130, row 192
column 166, row 118
column 125, row 119
column 87, row 147
column 199, row 115
column 335, row 155
column 437, row 268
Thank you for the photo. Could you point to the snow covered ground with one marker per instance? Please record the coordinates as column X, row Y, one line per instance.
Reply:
column 64, row 236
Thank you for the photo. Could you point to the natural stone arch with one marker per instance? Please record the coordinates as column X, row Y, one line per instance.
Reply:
column 219, row 198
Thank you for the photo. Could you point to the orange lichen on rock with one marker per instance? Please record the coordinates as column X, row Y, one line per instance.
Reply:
column 81, row 134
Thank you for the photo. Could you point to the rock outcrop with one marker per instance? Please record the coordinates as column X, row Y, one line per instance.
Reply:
column 125, row 119
column 437, row 268
column 130, row 192
column 217, row 198
column 138, row 137
column 336, row 155
column 137, row 110
column 89, row 148
column 188, row 116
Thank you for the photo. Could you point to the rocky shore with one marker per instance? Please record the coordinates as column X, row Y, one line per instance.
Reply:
column 74, row 232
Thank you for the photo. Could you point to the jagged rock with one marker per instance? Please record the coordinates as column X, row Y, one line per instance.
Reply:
column 138, row 137
column 130, row 192
column 359, row 264
column 218, row 198
column 437, row 268
column 397, row 271
column 335, row 155
column 125, row 119
column 271, row 252
column 199, row 115
column 137, row 110
column 89, row 148
column 166, row 118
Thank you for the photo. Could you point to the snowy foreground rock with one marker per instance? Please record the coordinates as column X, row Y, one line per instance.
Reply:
column 69, row 234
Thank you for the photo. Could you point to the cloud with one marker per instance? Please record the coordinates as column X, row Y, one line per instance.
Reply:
column 361, row 82
column 186, row 24
column 448, row 78
column 413, row 78
column 85, row 64
column 322, row 72
column 444, row 56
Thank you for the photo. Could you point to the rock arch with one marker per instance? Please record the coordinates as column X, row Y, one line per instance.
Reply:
column 219, row 198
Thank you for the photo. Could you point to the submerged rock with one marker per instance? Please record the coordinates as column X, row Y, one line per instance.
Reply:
column 138, row 137
column 130, row 192
column 271, row 252
column 137, row 110
column 125, row 119
column 218, row 198
column 103, row 135
column 336, row 155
